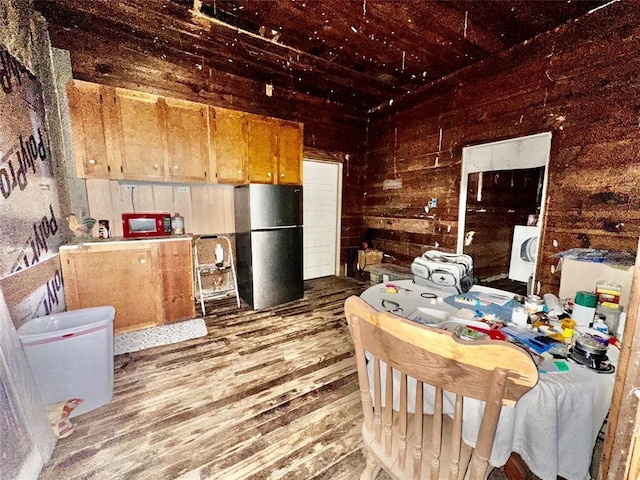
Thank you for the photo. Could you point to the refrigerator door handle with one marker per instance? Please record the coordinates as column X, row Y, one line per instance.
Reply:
column 266, row 229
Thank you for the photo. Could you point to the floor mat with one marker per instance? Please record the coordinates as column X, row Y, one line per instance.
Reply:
column 156, row 336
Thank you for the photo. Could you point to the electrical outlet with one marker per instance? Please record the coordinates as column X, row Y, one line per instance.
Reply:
column 131, row 188
column 183, row 189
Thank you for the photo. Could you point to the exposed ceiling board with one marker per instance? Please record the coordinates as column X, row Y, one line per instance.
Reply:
column 360, row 53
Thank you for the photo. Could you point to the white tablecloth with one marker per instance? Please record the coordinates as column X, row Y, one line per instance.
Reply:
column 553, row 427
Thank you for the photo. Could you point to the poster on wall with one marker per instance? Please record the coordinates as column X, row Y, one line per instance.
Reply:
column 30, row 211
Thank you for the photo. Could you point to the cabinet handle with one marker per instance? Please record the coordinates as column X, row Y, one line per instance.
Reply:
column 282, row 175
column 239, row 172
column 92, row 161
column 176, row 167
column 268, row 174
column 143, row 260
column 156, row 166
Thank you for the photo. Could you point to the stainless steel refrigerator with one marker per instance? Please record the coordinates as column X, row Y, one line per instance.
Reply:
column 269, row 244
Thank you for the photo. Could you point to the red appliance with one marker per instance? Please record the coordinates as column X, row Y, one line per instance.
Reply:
column 146, row 224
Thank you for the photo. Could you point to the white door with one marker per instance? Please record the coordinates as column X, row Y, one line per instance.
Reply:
column 321, row 218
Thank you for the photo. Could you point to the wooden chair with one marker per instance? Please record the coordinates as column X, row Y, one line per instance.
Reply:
column 416, row 445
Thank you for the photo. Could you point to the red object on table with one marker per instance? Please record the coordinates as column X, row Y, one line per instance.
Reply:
column 493, row 333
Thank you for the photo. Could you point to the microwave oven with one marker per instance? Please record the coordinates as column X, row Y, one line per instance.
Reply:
column 146, row 224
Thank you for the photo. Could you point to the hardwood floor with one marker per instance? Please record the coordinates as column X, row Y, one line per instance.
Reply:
column 266, row 395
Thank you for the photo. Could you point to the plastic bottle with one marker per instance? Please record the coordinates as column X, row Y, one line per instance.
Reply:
column 553, row 304
column 567, row 325
column 600, row 325
column 219, row 253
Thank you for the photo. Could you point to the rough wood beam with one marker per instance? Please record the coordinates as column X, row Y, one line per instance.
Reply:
column 413, row 225
column 312, row 153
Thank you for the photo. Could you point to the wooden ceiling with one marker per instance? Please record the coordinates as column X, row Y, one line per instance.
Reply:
column 360, row 53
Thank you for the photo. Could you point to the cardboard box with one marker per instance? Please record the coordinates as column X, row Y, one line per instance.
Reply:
column 577, row 275
column 366, row 258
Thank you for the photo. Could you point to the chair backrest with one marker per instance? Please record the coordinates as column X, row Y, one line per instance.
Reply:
column 495, row 372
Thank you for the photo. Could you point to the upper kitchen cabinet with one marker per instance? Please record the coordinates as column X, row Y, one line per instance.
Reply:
column 275, row 151
column 289, row 153
column 89, row 143
column 122, row 134
column 185, row 125
column 263, row 149
column 141, row 139
column 229, row 152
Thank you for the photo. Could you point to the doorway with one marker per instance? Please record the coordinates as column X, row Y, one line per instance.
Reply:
column 503, row 185
column 322, row 200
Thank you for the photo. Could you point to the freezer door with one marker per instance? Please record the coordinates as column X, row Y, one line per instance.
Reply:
column 274, row 206
column 276, row 266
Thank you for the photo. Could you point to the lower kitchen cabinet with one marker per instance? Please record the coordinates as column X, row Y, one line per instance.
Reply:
column 149, row 282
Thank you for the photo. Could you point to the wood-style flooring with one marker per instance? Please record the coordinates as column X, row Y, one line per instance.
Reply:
column 270, row 394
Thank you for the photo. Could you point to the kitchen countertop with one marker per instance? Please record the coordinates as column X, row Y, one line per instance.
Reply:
column 78, row 241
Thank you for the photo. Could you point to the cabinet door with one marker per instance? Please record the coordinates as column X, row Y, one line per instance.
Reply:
column 229, row 129
column 87, row 129
column 176, row 270
column 187, row 144
column 290, row 153
column 143, row 143
column 124, row 278
column 263, row 150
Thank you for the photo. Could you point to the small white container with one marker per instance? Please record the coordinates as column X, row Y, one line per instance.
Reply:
column 71, row 356
column 583, row 315
column 519, row 316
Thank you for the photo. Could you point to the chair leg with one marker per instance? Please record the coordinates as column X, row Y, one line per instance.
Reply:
column 372, row 469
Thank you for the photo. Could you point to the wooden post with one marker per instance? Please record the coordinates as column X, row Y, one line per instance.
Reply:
column 623, row 403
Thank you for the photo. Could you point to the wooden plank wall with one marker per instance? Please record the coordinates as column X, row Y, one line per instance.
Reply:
column 353, row 181
column 112, row 59
column 332, row 131
column 579, row 82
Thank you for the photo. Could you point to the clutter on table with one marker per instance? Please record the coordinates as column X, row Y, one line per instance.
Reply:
column 578, row 326
column 579, row 330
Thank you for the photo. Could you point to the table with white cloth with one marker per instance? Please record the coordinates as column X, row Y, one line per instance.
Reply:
column 553, row 427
